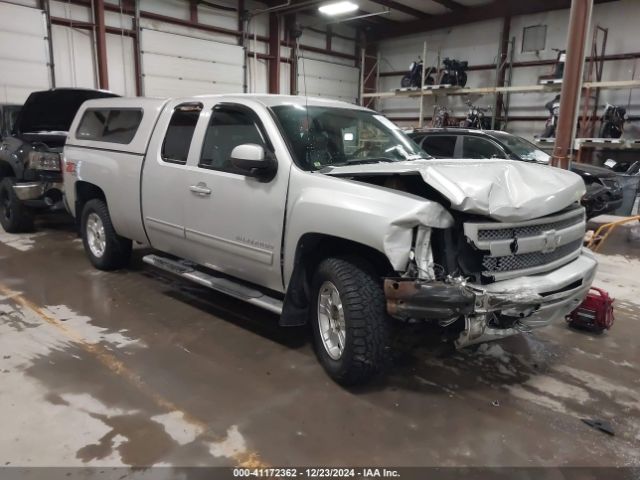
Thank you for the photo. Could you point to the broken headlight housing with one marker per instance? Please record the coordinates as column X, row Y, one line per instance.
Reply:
column 44, row 161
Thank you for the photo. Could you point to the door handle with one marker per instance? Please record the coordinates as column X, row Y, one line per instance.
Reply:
column 200, row 189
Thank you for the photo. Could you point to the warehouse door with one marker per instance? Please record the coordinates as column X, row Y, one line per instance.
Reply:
column 24, row 52
column 325, row 79
column 177, row 65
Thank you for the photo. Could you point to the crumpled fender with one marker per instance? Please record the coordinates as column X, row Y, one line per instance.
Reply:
column 400, row 231
column 380, row 218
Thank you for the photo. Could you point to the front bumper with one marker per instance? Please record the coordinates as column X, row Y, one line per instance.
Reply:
column 499, row 309
column 28, row 191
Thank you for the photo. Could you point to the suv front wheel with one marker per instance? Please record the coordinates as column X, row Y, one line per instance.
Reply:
column 15, row 217
column 349, row 319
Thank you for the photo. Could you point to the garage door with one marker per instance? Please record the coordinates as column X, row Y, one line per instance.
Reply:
column 24, row 52
column 177, row 65
column 324, row 79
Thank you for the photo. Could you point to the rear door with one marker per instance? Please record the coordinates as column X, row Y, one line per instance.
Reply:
column 234, row 222
column 478, row 147
column 440, row 146
column 165, row 179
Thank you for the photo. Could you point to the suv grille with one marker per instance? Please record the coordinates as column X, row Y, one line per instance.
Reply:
column 527, row 230
column 511, row 263
column 506, row 250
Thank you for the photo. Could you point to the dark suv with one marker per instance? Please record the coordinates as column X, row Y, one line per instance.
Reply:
column 30, row 155
column 604, row 193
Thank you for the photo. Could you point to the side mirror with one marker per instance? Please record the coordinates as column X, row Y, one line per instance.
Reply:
column 254, row 160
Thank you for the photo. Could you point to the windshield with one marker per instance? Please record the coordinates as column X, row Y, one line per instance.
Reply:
column 326, row 136
column 522, row 148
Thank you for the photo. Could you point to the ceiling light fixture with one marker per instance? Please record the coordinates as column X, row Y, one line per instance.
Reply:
column 338, row 8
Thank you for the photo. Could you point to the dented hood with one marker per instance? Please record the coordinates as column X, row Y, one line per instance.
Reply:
column 504, row 190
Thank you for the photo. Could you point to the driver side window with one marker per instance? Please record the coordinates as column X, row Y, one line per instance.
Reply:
column 228, row 128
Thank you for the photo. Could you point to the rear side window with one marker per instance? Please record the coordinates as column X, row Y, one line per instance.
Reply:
column 440, row 145
column 476, row 147
column 109, row 125
column 175, row 148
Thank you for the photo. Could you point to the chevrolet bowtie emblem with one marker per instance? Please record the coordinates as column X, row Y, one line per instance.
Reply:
column 550, row 241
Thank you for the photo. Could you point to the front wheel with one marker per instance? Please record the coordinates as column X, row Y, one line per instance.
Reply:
column 105, row 248
column 406, row 81
column 350, row 323
column 15, row 217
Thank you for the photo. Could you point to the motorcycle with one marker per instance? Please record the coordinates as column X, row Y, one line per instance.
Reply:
column 454, row 72
column 612, row 123
column 414, row 77
column 441, row 117
column 554, row 110
column 558, row 71
column 477, row 118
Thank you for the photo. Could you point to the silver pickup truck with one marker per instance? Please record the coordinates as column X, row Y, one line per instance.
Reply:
column 327, row 213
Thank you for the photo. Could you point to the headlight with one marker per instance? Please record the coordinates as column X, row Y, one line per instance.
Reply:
column 44, row 161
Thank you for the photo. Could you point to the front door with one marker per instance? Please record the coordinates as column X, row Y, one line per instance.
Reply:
column 234, row 222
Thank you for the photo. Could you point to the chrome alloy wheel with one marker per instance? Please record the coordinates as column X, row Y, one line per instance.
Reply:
column 331, row 321
column 96, row 235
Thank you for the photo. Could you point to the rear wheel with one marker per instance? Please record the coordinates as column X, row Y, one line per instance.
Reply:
column 462, row 79
column 446, row 79
column 15, row 217
column 105, row 248
column 350, row 323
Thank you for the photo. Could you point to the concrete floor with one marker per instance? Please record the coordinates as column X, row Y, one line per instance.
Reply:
column 137, row 368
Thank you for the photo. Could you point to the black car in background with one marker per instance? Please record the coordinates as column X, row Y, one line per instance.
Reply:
column 604, row 192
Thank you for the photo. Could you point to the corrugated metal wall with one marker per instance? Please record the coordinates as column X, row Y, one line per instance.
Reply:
column 24, row 52
column 177, row 65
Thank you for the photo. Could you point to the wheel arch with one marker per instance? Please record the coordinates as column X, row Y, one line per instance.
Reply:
column 6, row 170
column 311, row 249
column 86, row 191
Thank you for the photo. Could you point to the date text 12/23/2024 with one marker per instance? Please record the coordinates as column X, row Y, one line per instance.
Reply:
column 316, row 472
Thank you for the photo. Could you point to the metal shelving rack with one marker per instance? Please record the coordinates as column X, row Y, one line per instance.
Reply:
column 437, row 90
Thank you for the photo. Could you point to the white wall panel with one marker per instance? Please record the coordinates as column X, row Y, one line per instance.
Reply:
column 120, row 65
column 24, row 52
column 175, row 65
column 73, row 53
column 323, row 79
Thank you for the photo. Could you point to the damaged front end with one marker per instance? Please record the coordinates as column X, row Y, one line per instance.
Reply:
column 499, row 280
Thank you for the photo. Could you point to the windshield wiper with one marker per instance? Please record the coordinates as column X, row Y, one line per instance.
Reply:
column 360, row 161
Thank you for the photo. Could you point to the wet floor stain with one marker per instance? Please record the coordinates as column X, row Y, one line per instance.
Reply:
column 138, row 440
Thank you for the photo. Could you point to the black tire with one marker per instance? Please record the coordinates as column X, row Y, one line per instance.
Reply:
column 429, row 80
column 15, row 217
column 549, row 132
column 462, row 79
column 406, row 81
column 366, row 324
column 117, row 250
column 446, row 79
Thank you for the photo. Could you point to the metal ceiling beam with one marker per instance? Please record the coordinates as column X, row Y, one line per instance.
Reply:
column 451, row 5
column 393, row 5
column 495, row 9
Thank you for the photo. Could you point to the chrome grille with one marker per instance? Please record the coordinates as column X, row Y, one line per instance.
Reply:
column 528, row 260
column 502, row 250
column 502, row 233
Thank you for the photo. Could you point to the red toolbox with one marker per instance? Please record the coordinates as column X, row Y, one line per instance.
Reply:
column 594, row 313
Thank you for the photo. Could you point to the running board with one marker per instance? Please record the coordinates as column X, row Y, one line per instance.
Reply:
column 187, row 270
